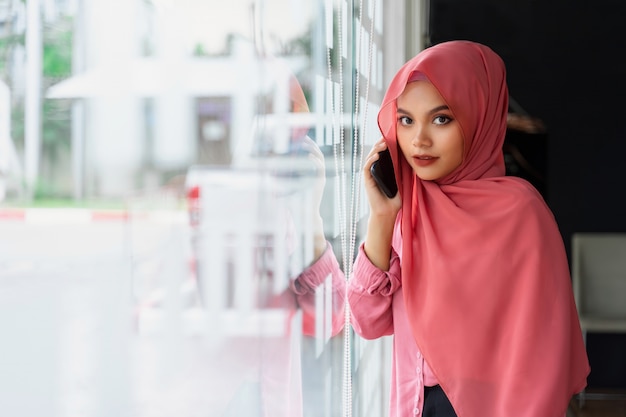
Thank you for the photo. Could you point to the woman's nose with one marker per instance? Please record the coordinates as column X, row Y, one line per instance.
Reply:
column 421, row 137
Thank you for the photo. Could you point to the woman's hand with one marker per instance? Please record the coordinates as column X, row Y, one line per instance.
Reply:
column 380, row 204
column 317, row 157
column 383, row 213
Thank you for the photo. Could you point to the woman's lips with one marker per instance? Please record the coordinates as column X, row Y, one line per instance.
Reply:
column 424, row 160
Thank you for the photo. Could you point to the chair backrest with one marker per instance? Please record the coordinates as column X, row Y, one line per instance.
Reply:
column 599, row 277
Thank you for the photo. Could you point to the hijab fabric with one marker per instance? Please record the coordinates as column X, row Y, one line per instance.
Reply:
column 485, row 275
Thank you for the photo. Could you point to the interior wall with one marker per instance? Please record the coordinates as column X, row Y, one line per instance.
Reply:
column 565, row 66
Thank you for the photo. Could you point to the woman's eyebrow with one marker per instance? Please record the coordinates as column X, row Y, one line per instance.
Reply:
column 431, row 111
column 439, row 108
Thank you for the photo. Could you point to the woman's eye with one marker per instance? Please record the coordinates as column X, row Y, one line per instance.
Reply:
column 441, row 120
column 405, row 120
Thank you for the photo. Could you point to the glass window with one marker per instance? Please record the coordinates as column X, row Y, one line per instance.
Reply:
column 169, row 172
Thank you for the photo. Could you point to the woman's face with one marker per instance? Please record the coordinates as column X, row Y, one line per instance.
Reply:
column 429, row 137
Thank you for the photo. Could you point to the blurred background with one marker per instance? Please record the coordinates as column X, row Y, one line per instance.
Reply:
column 163, row 165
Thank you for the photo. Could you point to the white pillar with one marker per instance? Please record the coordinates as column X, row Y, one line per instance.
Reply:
column 78, row 107
column 174, row 135
column 32, row 111
column 5, row 136
column 113, row 118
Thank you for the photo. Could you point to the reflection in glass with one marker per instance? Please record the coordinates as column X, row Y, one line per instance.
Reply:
column 223, row 143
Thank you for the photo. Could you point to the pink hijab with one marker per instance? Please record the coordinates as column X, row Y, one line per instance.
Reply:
column 484, row 272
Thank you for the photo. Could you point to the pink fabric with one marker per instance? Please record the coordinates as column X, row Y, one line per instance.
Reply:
column 305, row 286
column 485, row 276
column 377, row 310
column 279, row 360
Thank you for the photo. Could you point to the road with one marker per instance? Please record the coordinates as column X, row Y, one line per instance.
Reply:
column 101, row 319
column 69, row 293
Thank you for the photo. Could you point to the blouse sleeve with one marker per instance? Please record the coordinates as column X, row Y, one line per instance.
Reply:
column 323, row 274
column 370, row 293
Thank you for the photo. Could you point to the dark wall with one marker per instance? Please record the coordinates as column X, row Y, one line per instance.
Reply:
column 565, row 65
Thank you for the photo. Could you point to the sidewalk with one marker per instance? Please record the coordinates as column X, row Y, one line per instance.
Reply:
column 83, row 215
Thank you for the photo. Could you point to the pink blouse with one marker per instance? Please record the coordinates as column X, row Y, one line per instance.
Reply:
column 377, row 309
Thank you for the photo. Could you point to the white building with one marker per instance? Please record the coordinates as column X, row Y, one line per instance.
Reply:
column 140, row 117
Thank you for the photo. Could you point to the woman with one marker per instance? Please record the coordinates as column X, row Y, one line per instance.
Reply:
column 464, row 266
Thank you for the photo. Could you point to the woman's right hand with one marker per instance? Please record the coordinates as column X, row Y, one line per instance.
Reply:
column 380, row 204
column 383, row 213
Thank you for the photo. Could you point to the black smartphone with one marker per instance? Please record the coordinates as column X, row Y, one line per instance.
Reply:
column 382, row 171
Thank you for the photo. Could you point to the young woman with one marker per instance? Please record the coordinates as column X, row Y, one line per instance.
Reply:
column 465, row 266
